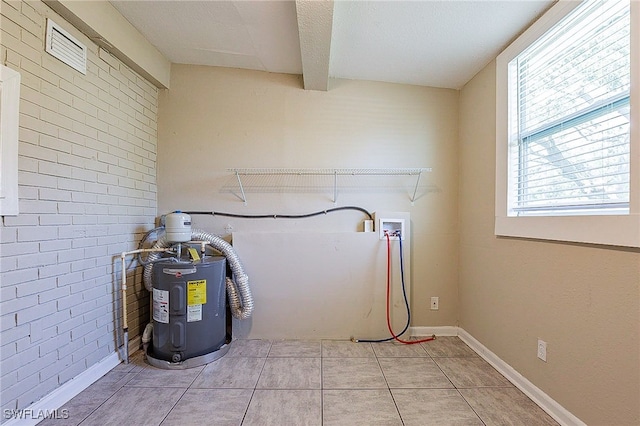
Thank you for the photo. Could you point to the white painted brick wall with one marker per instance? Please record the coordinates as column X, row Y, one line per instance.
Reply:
column 87, row 192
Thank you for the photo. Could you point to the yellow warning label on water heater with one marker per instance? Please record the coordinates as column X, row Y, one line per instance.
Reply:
column 196, row 292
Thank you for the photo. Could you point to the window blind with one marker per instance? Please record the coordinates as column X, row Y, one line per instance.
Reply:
column 570, row 151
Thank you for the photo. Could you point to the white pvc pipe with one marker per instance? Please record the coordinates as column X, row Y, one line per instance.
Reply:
column 125, row 324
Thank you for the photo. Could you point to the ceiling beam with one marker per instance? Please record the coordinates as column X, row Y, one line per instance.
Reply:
column 315, row 21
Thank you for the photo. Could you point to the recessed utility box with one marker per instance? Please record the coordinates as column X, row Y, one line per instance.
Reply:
column 393, row 227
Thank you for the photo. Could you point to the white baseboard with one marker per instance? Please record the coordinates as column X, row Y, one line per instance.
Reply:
column 446, row 330
column 544, row 401
column 50, row 404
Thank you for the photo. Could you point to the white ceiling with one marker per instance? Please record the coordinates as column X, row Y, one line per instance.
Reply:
column 440, row 43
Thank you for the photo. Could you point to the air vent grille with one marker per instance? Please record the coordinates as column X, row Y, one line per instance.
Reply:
column 65, row 47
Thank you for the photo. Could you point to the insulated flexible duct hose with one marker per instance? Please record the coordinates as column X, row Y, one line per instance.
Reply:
column 240, row 299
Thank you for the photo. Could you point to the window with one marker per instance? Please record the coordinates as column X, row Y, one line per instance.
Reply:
column 570, row 127
column 566, row 153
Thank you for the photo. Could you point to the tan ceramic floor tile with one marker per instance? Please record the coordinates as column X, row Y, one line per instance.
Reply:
column 87, row 401
column 471, row 372
column 291, row 373
column 249, row 348
column 222, row 407
column 359, row 407
column 437, row 407
column 448, row 347
column 346, row 349
column 506, row 406
column 229, row 372
column 413, row 373
column 395, row 349
column 352, row 373
column 157, row 377
column 284, row 407
column 150, row 405
column 296, row 348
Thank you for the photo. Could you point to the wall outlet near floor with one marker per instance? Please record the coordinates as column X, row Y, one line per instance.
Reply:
column 435, row 303
column 542, row 350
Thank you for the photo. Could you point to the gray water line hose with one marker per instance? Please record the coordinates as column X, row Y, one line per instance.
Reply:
column 238, row 291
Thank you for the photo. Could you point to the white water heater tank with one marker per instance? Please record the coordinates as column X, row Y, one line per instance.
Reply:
column 177, row 227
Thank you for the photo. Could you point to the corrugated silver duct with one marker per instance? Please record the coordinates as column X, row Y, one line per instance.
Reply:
column 148, row 267
column 238, row 291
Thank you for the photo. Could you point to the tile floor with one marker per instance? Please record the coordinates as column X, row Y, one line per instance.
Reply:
column 328, row 382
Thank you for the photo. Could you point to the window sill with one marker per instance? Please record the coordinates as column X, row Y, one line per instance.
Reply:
column 614, row 230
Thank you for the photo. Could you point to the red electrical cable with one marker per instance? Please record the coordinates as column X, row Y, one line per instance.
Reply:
column 406, row 342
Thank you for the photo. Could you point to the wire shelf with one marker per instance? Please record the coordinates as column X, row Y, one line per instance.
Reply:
column 240, row 173
column 331, row 172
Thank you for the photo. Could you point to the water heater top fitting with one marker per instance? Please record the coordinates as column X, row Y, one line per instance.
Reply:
column 177, row 227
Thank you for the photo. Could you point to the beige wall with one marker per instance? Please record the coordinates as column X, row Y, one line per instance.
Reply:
column 582, row 300
column 214, row 118
column 319, row 285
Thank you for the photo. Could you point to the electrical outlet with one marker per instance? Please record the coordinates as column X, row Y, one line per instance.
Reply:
column 542, row 350
column 435, row 302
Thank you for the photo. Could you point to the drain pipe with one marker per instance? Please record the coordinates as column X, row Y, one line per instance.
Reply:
column 125, row 325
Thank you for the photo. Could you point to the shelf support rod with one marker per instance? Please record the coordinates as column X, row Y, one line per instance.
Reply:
column 335, row 187
column 244, row 197
column 415, row 190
